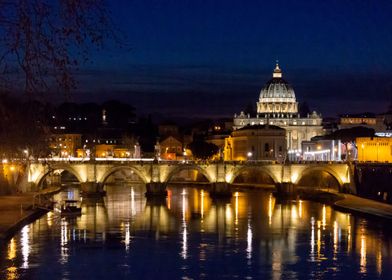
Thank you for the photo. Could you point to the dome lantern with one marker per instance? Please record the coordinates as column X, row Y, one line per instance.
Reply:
column 277, row 96
column 277, row 72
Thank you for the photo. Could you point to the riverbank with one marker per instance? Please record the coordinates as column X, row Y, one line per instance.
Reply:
column 15, row 212
column 350, row 203
column 364, row 207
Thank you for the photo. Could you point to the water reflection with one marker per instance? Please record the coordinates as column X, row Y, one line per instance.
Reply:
column 25, row 246
column 188, row 234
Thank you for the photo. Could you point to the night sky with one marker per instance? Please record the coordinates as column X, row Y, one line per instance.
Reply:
column 213, row 57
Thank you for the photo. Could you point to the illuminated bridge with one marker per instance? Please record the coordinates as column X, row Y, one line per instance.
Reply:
column 93, row 174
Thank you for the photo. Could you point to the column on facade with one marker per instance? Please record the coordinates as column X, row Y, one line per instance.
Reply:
column 299, row 139
column 288, row 140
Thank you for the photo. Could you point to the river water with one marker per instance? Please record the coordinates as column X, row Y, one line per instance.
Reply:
column 190, row 236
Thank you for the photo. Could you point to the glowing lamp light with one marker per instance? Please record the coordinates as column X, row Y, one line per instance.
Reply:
column 228, row 177
column 294, row 177
column 4, row 160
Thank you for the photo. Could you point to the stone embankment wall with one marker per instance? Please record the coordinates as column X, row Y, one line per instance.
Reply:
column 13, row 178
column 374, row 181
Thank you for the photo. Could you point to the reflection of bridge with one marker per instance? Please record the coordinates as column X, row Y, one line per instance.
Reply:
column 93, row 174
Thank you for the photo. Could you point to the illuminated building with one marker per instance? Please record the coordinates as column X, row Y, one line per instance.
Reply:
column 65, row 145
column 278, row 106
column 377, row 149
column 320, row 150
column 258, row 142
column 368, row 120
column 171, row 148
column 107, row 150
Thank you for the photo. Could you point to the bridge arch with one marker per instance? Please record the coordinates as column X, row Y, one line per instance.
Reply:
column 262, row 169
column 335, row 175
column 113, row 170
column 58, row 167
column 180, row 168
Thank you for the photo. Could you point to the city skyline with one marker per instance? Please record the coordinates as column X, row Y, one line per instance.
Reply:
column 222, row 55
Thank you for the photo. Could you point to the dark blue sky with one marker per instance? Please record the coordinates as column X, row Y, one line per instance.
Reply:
column 213, row 57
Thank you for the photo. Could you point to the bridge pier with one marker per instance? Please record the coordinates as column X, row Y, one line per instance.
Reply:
column 91, row 188
column 220, row 189
column 156, row 189
column 286, row 190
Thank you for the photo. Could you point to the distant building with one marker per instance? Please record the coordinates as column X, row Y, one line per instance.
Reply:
column 168, row 128
column 106, row 151
column 257, row 142
column 319, row 150
column 218, row 132
column 171, row 148
column 368, row 120
column 377, row 149
column 278, row 106
column 65, row 145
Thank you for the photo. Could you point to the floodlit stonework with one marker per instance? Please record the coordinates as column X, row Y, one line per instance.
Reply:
column 278, row 106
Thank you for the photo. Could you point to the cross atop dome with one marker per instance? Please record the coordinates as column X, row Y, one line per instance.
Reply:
column 277, row 72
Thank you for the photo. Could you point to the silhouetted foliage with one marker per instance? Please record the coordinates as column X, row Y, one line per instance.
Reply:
column 119, row 114
column 203, row 150
column 349, row 134
column 46, row 39
column 23, row 126
column 147, row 133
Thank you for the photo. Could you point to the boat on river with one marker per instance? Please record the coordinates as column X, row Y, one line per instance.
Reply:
column 70, row 208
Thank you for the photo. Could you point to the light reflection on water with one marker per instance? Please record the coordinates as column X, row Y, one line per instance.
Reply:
column 189, row 235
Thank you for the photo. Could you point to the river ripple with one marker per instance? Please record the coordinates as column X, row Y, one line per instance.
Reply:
column 190, row 236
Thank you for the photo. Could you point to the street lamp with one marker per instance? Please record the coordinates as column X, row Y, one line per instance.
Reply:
column 249, row 155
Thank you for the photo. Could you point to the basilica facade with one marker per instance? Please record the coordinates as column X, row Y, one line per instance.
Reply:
column 278, row 106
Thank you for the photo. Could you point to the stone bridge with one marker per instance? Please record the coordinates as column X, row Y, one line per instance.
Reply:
column 92, row 174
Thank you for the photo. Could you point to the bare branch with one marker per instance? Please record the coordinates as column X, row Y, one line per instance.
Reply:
column 47, row 40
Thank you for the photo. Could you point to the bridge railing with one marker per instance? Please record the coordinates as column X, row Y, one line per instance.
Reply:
column 175, row 162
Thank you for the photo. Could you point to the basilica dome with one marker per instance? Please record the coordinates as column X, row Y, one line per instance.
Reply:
column 277, row 96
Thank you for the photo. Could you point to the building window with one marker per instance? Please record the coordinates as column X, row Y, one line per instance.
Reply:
column 266, row 147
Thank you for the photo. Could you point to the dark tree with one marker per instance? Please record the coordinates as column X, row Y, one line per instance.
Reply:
column 147, row 134
column 22, row 126
column 203, row 150
column 349, row 135
column 119, row 114
column 45, row 40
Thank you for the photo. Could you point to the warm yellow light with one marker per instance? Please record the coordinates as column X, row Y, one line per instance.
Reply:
column 12, row 168
column 294, row 177
column 300, row 208
column 228, row 177
column 12, row 249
